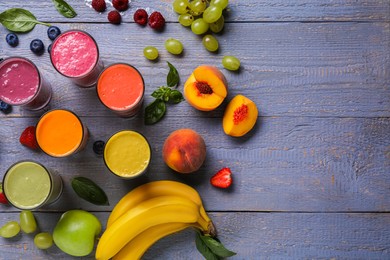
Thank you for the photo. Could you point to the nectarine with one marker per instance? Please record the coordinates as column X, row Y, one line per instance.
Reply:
column 206, row 88
column 184, row 151
column 240, row 116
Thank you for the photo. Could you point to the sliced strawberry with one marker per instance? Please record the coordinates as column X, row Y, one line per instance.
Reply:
column 222, row 179
column 27, row 138
column 3, row 199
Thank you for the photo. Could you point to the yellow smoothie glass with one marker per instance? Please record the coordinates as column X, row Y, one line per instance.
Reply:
column 61, row 133
column 29, row 185
column 127, row 154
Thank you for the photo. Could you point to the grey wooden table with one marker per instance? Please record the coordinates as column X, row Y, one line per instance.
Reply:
column 311, row 181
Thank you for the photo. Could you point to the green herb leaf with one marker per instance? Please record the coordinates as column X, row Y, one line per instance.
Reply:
column 19, row 20
column 154, row 111
column 173, row 77
column 90, row 191
column 203, row 248
column 64, row 8
column 216, row 247
column 175, row 96
column 162, row 93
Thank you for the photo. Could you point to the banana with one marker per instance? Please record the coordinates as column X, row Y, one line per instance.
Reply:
column 155, row 189
column 138, row 246
column 149, row 213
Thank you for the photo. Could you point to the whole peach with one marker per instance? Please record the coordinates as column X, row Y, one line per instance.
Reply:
column 184, row 151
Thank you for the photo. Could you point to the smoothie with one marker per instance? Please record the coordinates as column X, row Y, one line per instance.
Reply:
column 29, row 185
column 121, row 88
column 61, row 133
column 21, row 84
column 127, row 154
column 75, row 54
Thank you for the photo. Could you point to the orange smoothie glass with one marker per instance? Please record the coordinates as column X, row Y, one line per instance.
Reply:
column 121, row 88
column 61, row 133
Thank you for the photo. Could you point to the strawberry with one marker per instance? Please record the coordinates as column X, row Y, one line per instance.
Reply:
column 3, row 199
column 27, row 138
column 222, row 179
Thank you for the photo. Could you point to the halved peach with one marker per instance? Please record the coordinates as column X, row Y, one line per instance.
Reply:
column 206, row 88
column 240, row 116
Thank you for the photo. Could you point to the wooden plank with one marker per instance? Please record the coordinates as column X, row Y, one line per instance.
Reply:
column 284, row 164
column 248, row 10
column 288, row 69
column 251, row 236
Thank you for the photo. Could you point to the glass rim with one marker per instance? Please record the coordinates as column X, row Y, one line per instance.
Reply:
column 97, row 50
column 82, row 132
column 140, row 172
column 45, row 169
column 143, row 86
column 40, row 81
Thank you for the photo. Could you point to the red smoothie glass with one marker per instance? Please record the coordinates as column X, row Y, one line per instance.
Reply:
column 21, row 84
column 75, row 55
column 121, row 88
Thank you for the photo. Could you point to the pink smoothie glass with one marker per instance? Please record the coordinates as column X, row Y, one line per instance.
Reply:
column 75, row 55
column 21, row 84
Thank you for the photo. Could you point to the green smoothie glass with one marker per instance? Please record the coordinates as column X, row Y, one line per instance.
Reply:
column 29, row 185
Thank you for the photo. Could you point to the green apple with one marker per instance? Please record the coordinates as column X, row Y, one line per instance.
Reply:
column 76, row 231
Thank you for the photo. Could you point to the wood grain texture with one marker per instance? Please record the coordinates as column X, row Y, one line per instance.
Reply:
column 289, row 69
column 251, row 236
column 311, row 180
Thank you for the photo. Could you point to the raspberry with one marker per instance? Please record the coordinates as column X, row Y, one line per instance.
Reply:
column 156, row 21
column 99, row 5
column 120, row 5
column 141, row 17
column 114, row 17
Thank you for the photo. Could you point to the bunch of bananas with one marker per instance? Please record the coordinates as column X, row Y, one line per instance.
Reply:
column 150, row 212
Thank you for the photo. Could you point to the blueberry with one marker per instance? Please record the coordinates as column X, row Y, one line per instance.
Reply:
column 98, row 147
column 53, row 32
column 12, row 39
column 49, row 48
column 37, row 47
column 4, row 107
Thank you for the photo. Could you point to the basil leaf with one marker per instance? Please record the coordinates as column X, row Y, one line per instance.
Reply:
column 216, row 247
column 161, row 93
column 64, row 8
column 173, row 76
column 19, row 20
column 175, row 96
column 154, row 112
column 203, row 248
column 90, row 191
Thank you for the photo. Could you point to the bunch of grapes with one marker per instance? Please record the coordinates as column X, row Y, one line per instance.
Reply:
column 202, row 16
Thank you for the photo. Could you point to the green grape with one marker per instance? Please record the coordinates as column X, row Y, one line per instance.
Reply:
column 150, row 52
column 220, row 3
column 43, row 240
column 210, row 42
column 198, row 6
column 180, row 6
column 10, row 229
column 27, row 221
column 174, row 46
column 230, row 63
column 212, row 13
column 199, row 26
column 217, row 26
column 186, row 19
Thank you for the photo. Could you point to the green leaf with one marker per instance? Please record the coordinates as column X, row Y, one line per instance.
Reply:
column 162, row 93
column 154, row 112
column 203, row 248
column 19, row 20
column 64, row 8
column 175, row 96
column 173, row 76
column 90, row 191
column 216, row 247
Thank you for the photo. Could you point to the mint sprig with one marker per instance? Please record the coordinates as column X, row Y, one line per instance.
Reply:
column 156, row 110
column 211, row 248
